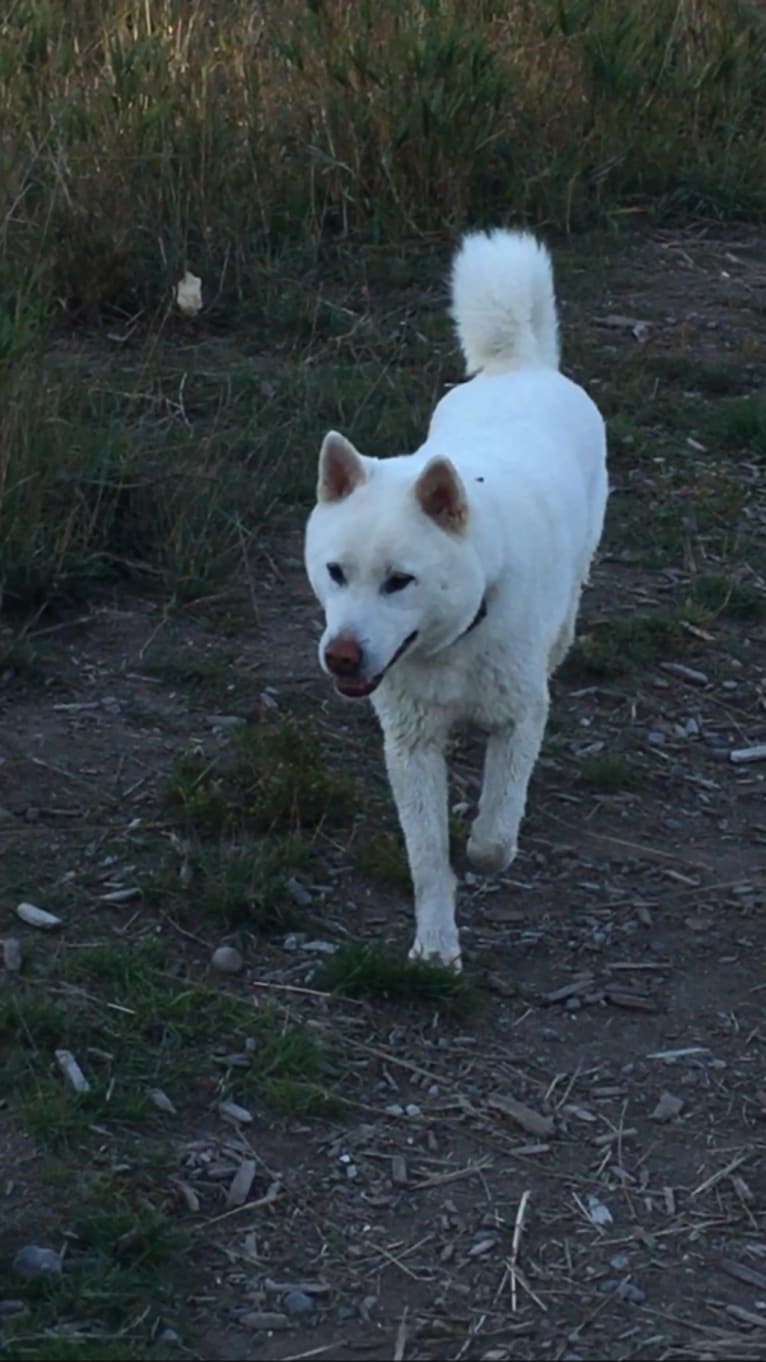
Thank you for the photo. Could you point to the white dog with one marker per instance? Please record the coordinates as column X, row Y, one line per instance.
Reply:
column 451, row 578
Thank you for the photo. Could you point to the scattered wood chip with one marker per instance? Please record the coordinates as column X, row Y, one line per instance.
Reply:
column 743, row 1273
column 12, row 954
column 122, row 895
column 559, row 995
column 241, row 1183
column 308, row 1288
column 690, row 674
column 667, row 1108
column 231, row 1111
column 740, row 755
column 532, row 1121
column 38, row 917
column 598, row 1213
column 630, row 1000
column 161, row 1100
column 188, row 1196
column 399, row 1169
column 72, row 1071
column 670, row 1056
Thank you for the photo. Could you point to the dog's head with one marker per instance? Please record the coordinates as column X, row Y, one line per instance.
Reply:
column 389, row 557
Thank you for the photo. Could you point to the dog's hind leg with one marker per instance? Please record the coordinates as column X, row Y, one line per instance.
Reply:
column 508, row 764
column 418, row 776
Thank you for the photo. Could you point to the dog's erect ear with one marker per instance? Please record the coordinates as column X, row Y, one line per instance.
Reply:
column 441, row 495
column 340, row 468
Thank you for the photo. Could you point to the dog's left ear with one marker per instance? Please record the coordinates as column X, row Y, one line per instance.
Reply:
column 441, row 495
column 340, row 468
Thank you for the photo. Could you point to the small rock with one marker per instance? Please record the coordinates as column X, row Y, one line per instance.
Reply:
column 170, row 1337
column 298, row 893
column 293, row 940
column 227, row 959
column 394, row 1109
column 12, row 953
column 231, row 1111
column 225, row 720
column 161, row 1100
column 320, row 947
column 667, row 1108
column 620, row 1262
column 573, row 1004
column 298, row 1303
column 412, row 1109
column 265, row 1319
column 627, row 1291
column 37, row 917
column 11, row 1307
column 33, row 1261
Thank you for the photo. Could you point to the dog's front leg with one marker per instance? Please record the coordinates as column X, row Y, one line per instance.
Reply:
column 418, row 776
column 508, row 764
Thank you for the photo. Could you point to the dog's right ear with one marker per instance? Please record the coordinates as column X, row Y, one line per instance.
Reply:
column 340, row 468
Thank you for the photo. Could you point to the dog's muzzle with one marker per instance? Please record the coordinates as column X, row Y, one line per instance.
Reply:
column 343, row 658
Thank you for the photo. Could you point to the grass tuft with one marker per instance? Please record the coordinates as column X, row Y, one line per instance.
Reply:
column 373, row 972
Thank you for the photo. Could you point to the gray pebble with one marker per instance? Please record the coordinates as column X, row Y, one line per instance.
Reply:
column 170, row 1337
column 573, row 1004
column 627, row 1291
column 264, row 1319
column 412, row 1109
column 12, row 953
column 293, row 940
column 394, row 1109
column 298, row 893
column 620, row 1262
column 33, row 1261
column 227, row 959
column 299, row 1303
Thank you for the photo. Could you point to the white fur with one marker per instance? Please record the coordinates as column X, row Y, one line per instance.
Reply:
column 529, row 449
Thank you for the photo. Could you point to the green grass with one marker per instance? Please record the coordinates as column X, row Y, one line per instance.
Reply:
column 274, row 775
column 123, row 1271
column 247, row 885
column 609, row 772
column 134, row 1024
column 714, row 595
column 739, row 424
column 615, row 648
column 375, row 972
column 145, row 138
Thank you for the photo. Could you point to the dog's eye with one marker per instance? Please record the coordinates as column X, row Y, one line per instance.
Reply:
column 337, row 574
column 396, row 582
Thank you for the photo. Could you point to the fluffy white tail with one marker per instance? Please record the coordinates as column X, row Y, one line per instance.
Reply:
column 503, row 302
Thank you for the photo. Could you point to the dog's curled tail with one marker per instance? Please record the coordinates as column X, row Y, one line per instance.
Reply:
column 503, row 302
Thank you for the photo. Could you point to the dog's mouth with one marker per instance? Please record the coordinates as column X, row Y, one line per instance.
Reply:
column 355, row 688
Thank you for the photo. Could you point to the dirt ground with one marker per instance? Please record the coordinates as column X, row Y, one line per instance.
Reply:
column 577, row 1170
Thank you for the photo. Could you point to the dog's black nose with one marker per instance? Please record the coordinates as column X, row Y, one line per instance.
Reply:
column 343, row 656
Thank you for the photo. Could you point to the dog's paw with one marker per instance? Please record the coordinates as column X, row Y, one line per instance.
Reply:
column 491, row 855
column 438, row 953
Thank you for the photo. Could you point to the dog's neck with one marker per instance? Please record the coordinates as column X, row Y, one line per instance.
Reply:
column 477, row 619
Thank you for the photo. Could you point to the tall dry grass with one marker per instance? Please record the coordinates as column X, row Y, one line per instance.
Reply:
column 139, row 137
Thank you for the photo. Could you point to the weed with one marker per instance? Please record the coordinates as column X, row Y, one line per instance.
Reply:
column 373, row 972
column 247, row 885
column 382, row 858
column 275, row 775
column 616, row 647
column 609, row 772
column 714, row 595
column 135, row 1026
column 739, row 424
